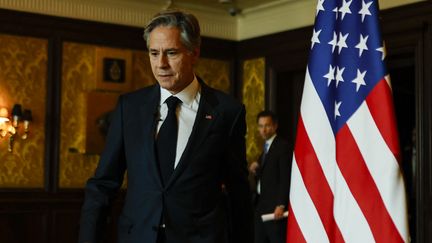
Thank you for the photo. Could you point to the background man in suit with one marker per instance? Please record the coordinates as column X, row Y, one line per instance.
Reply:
column 272, row 175
column 179, row 141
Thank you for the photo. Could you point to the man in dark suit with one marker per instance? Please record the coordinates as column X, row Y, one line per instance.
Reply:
column 272, row 179
column 180, row 142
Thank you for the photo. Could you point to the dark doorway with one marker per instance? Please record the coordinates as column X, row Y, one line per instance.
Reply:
column 287, row 88
column 402, row 74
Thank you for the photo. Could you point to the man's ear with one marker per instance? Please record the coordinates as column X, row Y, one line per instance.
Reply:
column 196, row 54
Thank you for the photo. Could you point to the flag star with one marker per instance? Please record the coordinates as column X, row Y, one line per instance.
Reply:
column 345, row 8
column 336, row 110
column 339, row 77
column 334, row 41
column 365, row 9
column 359, row 80
column 362, row 44
column 319, row 7
column 330, row 75
column 382, row 49
column 315, row 37
column 342, row 41
column 336, row 11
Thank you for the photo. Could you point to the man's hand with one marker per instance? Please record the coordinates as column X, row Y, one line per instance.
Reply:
column 253, row 167
column 278, row 212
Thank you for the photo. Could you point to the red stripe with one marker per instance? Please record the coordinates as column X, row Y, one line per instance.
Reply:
column 316, row 183
column 294, row 234
column 363, row 188
column 381, row 107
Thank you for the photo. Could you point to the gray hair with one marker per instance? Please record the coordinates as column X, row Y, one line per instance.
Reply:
column 190, row 34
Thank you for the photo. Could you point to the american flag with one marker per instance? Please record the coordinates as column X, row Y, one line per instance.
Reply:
column 346, row 183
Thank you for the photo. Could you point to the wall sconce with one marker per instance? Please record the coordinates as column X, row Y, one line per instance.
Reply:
column 10, row 125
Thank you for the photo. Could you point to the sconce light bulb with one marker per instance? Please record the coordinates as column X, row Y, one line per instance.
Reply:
column 26, row 125
column 12, row 130
column 3, row 113
column 15, row 120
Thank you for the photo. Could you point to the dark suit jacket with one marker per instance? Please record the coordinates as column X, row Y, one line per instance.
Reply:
column 192, row 201
column 274, row 175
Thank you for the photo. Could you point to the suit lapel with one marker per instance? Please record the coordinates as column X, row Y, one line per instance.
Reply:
column 147, row 118
column 205, row 118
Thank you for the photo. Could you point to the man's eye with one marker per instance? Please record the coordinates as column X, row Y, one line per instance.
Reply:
column 171, row 53
column 153, row 54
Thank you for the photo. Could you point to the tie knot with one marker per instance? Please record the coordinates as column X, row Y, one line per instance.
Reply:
column 172, row 102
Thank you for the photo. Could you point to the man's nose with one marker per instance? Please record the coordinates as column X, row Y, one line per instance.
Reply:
column 162, row 61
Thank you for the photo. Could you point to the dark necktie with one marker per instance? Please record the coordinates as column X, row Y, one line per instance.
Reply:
column 166, row 142
column 265, row 150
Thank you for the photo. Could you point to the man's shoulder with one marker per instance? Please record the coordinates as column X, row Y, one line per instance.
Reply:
column 143, row 93
column 221, row 98
column 280, row 141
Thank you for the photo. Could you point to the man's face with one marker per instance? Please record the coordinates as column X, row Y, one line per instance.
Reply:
column 171, row 62
column 266, row 127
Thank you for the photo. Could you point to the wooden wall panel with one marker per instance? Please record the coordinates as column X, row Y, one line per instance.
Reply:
column 23, row 226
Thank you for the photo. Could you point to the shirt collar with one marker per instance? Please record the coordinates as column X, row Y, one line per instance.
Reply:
column 270, row 140
column 187, row 95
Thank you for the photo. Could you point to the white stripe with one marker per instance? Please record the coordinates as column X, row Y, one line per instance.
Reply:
column 348, row 216
column 382, row 165
column 304, row 210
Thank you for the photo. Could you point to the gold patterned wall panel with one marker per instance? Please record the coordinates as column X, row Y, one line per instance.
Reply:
column 142, row 75
column 78, row 77
column 23, row 75
column 253, row 93
column 78, row 82
column 215, row 73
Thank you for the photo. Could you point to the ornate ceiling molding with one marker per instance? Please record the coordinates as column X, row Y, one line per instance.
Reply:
column 213, row 23
column 263, row 19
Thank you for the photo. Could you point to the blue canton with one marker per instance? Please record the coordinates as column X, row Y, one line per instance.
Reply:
column 346, row 58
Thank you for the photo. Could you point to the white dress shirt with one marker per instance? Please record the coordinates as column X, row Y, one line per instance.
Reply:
column 186, row 113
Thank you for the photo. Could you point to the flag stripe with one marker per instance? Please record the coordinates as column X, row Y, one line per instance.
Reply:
column 303, row 207
column 318, row 129
column 295, row 235
column 316, row 183
column 379, row 159
column 347, row 213
column 381, row 107
column 351, row 163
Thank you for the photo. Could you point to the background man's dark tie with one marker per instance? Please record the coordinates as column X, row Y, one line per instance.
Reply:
column 166, row 142
column 264, row 154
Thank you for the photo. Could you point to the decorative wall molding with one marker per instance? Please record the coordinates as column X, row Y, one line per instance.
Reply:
column 213, row 23
column 257, row 21
column 285, row 15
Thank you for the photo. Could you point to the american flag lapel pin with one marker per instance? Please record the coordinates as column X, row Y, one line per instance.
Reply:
column 209, row 117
